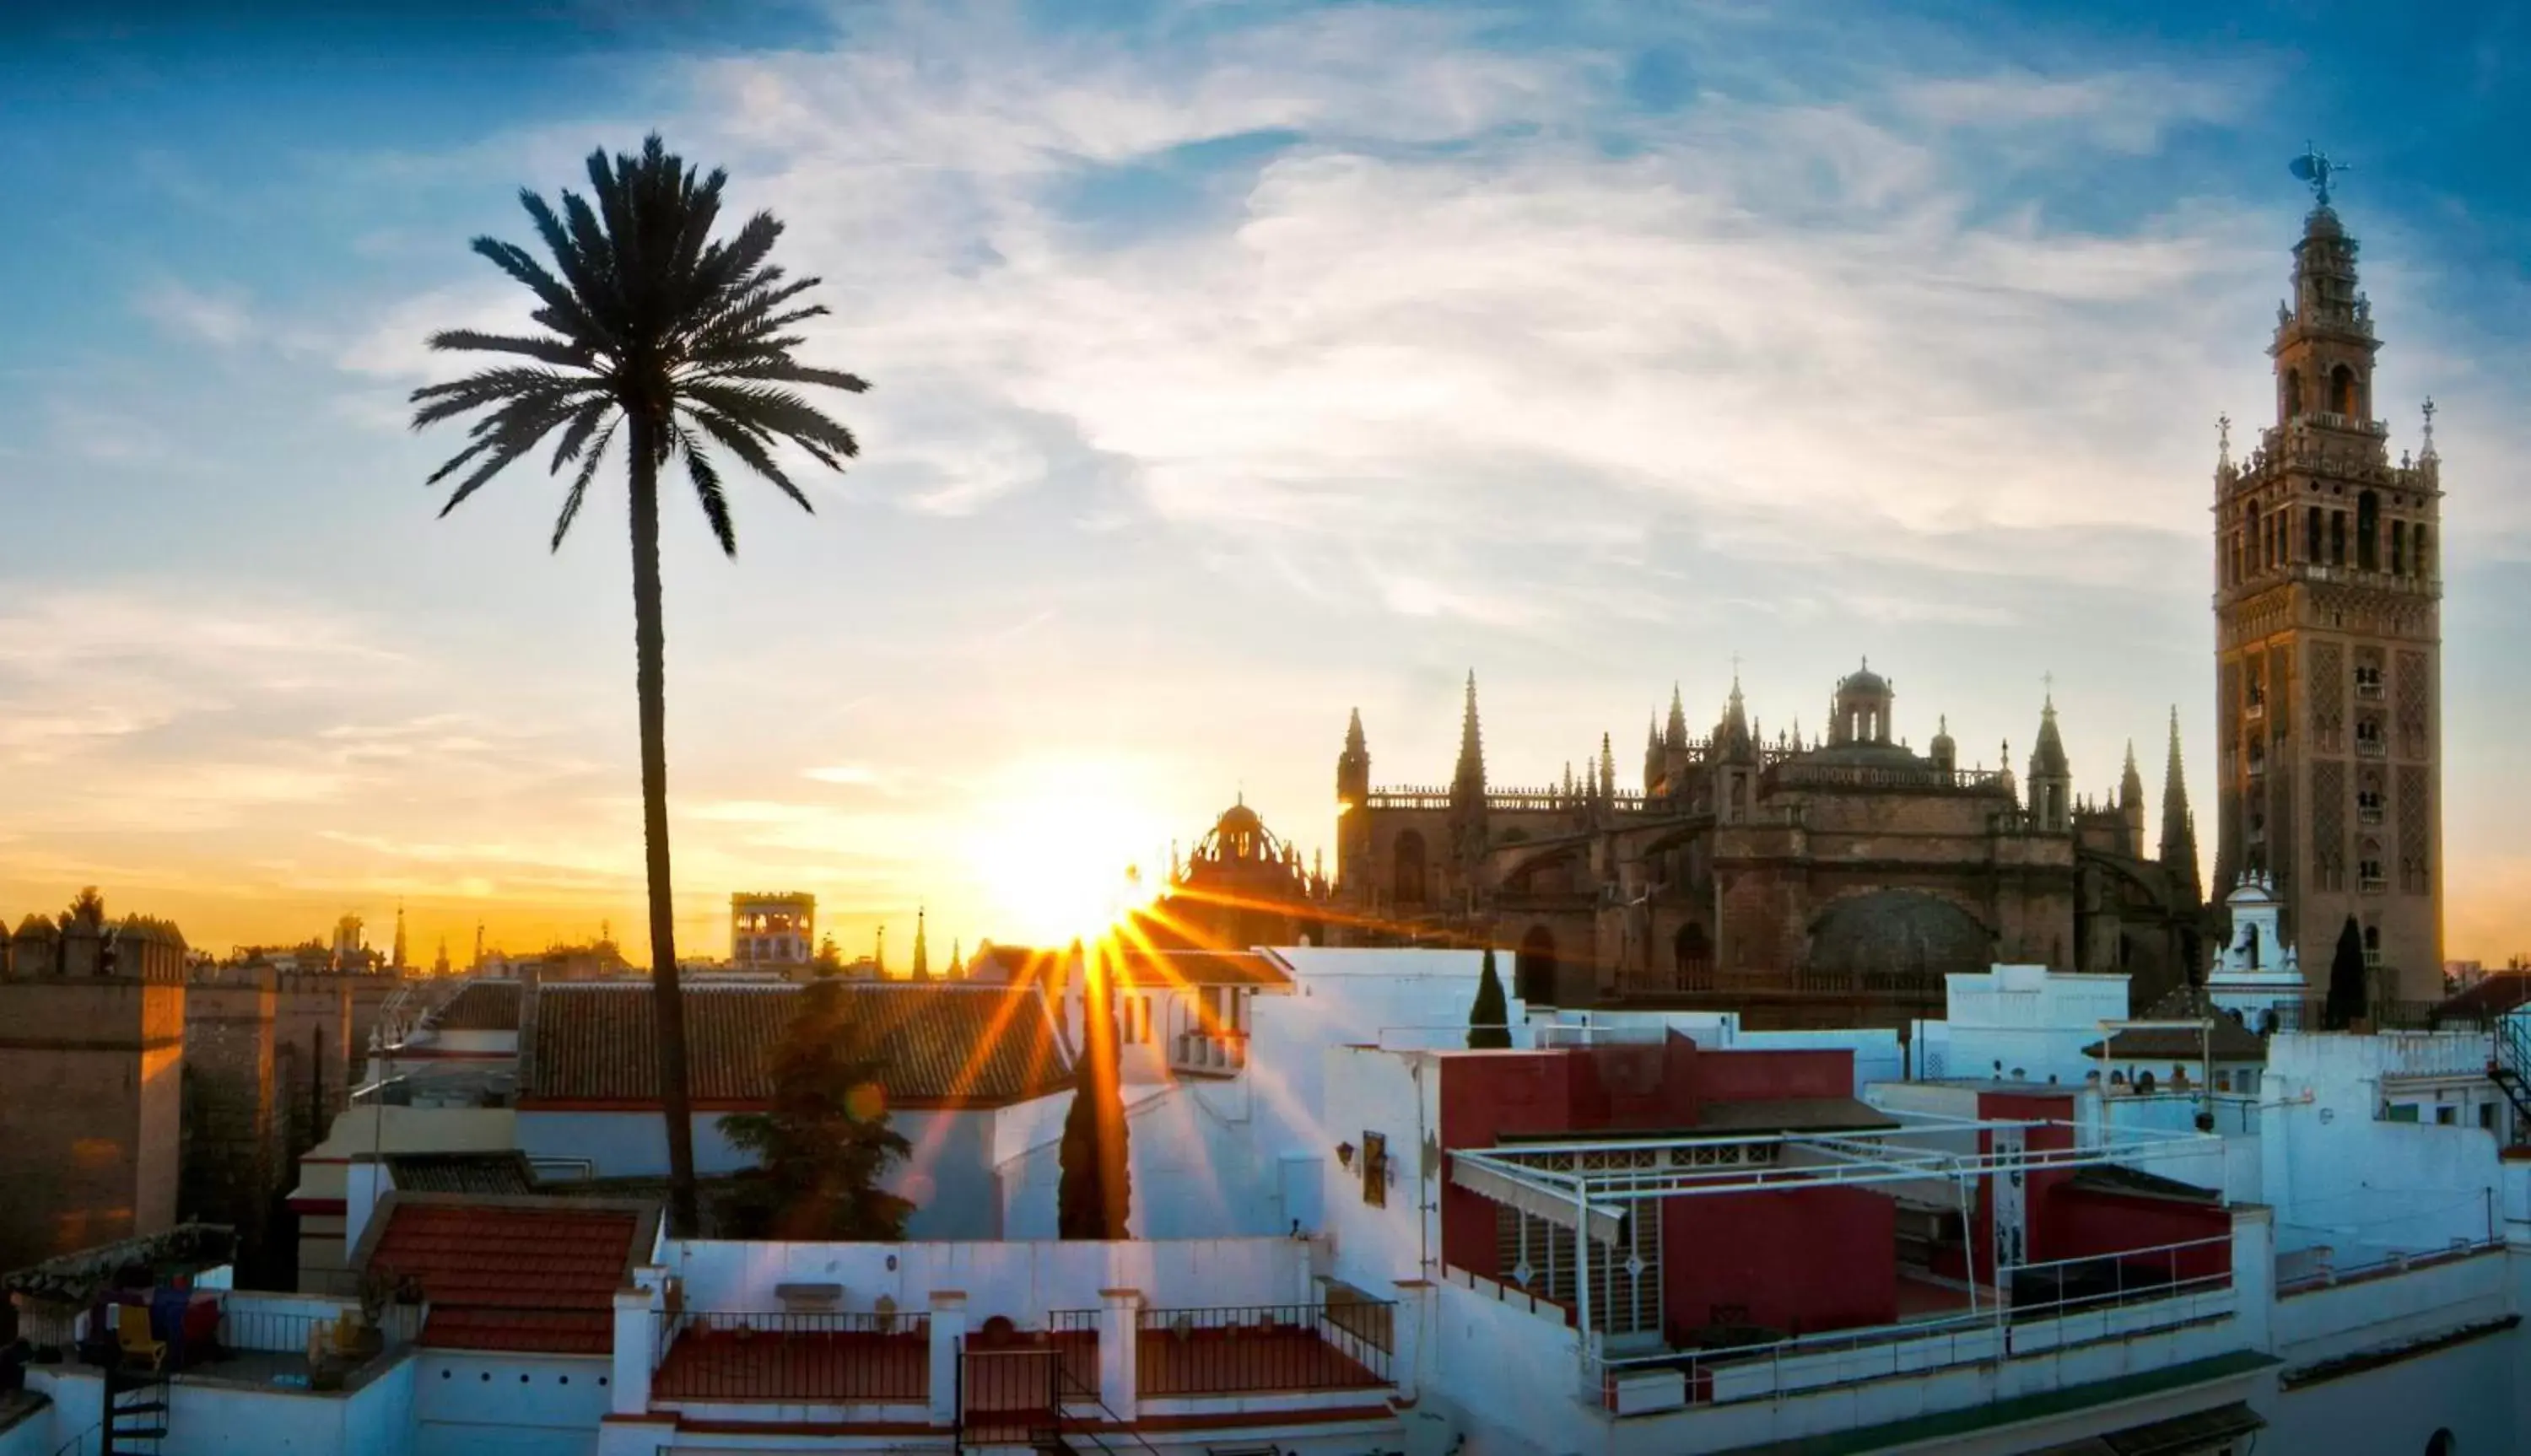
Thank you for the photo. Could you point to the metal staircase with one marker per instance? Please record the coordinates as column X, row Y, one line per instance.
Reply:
column 2510, row 1068
column 135, row 1412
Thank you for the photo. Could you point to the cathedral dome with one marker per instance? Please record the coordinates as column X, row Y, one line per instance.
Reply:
column 1863, row 680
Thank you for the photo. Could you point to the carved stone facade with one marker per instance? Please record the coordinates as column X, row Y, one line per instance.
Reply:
column 1800, row 882
column 2329, row 645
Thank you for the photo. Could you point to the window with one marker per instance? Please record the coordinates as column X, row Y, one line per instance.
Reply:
column 2446, row 1115
column 2311, row 534
column 1375, row 1170
column 2399, row 548
column 2368, row 532
column 2368, row 680
column 2337, row 537
column 2368, row 874
column 2418, row 562
column 2373, row 947
column 2341, row 391
column 2400, row 1112
column 2487, row 1116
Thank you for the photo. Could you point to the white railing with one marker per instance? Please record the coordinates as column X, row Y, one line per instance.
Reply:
column 1210, row 1051
column 2148, row 1291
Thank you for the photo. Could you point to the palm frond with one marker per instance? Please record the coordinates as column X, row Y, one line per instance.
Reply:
column 578, row 489
column 583, row 265
column 552, row 350
column 577, row 435
column 489, row 387
column 707, row 489
column 783, row 369
column 750, row 449
column 777, row 412
column 556, row 296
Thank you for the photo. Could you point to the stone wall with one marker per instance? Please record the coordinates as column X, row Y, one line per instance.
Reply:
column 233, row 1131
column 91, row 1108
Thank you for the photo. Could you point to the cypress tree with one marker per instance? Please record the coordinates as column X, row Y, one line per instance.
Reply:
column 1489, row 1019
column 1096, row 1190
column 2345, row 981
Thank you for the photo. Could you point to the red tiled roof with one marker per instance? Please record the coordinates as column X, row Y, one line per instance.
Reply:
column 512, row 1274
column 939, row 1044
column 484, row 1006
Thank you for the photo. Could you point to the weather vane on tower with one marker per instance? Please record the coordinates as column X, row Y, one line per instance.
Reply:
column 2315, row 169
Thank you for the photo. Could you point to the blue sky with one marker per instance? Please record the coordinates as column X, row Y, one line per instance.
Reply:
column 1235, row 364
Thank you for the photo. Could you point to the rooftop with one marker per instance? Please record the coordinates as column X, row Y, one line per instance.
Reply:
column 501, row 1273
column 482, row 1006
column 941, row 1044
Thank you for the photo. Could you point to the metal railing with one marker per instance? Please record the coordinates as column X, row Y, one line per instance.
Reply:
column 1244, row 1349
column 2380, row 1016
column 717, row 1355
column 2115, row 1296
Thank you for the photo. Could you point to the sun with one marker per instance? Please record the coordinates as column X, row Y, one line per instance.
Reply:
column 1064, row 849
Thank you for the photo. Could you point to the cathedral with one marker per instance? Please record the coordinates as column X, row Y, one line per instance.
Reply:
column 1795, row 879
column 1837, row 880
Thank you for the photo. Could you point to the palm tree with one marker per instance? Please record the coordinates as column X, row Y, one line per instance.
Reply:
column 654, row 327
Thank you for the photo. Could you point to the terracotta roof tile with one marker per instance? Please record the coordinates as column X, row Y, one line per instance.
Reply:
column 463, row 1172
column 512, row 1275
column 955, row 1044
column 484, row 1006
column 2493, row 994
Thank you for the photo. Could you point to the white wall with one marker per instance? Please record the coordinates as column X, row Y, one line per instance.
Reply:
column 2024, row 1017
column 1195, row 1167
column 508, row 1405
column 1397, row 1094
column 1020, row 1280
column 2338, row 1176
column 2466, row 1390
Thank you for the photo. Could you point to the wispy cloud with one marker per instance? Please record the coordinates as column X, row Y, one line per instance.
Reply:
column 221, row 320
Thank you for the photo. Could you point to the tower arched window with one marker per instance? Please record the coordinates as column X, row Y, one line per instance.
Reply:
column 2341, row 391
column 2368, row 532
column 2337, row 537
column 2311, row 534
column 2418, row 560
column 2251, row 525
column 2399, row 548
column 2293, row 394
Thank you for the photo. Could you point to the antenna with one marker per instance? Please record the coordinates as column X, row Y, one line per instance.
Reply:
column 2315, row 169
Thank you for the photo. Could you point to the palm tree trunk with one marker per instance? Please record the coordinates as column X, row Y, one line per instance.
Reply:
column 650, row 648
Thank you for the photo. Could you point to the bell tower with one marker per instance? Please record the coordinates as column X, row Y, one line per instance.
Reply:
column 2328, row 701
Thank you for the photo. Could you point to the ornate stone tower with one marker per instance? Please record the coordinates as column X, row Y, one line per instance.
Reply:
column 2329, row 704
column 1353, row 805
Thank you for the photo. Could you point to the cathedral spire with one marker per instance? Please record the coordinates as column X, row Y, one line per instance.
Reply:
column 398, row 962
column 1674, row 736
column 2179, row 849
column 1353, row 734
column 1608, row 770
column 1469, row 781
column 921, row 952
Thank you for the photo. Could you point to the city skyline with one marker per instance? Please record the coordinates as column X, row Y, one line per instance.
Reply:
column 1232, row 369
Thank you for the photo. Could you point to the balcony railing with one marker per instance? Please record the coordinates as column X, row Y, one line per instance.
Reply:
column 2368, row 688
column 721, row 1355
column 1247, row 1349
column 2380, row 1016
column 1210, row 1051
column 2117, row 1296
column 2372, row 747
